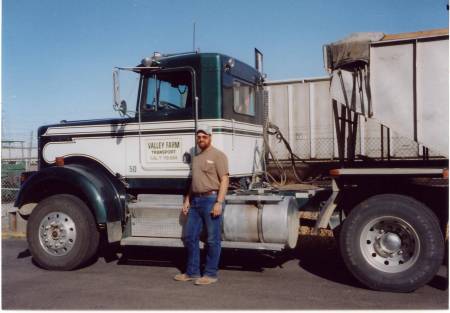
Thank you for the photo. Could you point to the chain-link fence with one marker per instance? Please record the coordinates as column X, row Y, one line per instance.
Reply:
column 373, row 144
column 17, row 157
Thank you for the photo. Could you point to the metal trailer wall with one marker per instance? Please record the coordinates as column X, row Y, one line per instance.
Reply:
column 302, row 110
column 409, row 84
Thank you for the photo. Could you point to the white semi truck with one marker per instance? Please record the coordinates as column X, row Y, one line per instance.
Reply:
column 126, row 177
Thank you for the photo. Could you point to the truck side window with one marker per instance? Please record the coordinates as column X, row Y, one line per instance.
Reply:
column 167, row 92
column 243, row 98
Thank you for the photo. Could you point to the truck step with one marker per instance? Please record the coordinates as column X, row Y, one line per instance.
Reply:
column 157, row 216
column 158, row 224
column 175, row 242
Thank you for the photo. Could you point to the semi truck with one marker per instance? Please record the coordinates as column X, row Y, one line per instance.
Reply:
column 125, row 177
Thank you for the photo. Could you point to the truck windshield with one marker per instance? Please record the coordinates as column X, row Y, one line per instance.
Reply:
column 167, row 91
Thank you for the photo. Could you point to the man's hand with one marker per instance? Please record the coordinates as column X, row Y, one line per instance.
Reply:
column 217, row 209
column 185, row 208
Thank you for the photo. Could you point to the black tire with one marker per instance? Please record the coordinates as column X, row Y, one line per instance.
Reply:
column 85, row 234
column 394, row 222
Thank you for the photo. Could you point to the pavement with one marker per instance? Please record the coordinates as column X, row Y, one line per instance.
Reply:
column 312, row 277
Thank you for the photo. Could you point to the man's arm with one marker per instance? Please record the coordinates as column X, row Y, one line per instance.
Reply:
column 186, row 203
column 223, row 188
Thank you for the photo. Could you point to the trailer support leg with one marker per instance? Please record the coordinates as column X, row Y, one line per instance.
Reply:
column 327, row 210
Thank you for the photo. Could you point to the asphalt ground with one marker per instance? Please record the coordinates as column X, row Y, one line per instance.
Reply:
column 312, row 277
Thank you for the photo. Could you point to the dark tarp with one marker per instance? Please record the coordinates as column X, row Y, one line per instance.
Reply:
column 352, row 49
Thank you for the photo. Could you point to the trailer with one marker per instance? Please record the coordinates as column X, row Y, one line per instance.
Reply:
column 125, row 178
column 301, row 109
column 400, row 81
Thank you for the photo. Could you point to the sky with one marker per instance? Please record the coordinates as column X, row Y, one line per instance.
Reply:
column 58, row 55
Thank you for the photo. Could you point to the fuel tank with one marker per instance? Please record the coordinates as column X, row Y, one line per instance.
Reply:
column 269, row 221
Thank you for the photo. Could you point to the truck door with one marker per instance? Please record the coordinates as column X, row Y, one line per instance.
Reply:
column 166, row 124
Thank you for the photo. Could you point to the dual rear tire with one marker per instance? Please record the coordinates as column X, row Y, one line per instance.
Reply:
column 62, row 233
column 392, row 242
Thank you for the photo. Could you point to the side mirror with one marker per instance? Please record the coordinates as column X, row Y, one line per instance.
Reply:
column 116, row 90
column 119, row 104
column 123, row 108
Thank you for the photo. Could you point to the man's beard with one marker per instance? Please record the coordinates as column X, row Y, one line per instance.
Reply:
column 204, row 145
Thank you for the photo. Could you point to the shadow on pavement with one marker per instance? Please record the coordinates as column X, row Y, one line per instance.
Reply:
column 316, row 255
column 439, row 282
column 24, row 254
column 152, row 256
column 320, row 256
column 176, row 257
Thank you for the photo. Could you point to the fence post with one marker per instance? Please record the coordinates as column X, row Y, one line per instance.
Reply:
column 29, row 151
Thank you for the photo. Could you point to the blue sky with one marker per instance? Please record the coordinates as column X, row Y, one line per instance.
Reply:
column 57, row 55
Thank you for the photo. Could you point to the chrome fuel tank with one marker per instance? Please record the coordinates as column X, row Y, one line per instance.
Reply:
column 274, row 220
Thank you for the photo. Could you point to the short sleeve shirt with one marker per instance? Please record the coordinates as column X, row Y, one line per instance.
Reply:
column 207, row 169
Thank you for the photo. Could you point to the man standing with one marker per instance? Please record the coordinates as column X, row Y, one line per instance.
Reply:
column 203, row 206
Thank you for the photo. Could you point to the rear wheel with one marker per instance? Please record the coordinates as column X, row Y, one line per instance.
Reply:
column 392, row 242
column 62, row 233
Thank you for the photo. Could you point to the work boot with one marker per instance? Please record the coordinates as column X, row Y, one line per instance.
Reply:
column 183, row 277
column 205, row 280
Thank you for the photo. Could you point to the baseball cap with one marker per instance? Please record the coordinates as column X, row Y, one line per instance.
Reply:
column 204, row 128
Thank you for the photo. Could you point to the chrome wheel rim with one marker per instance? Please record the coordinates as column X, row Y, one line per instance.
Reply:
column 390, row 244
column 57, row 233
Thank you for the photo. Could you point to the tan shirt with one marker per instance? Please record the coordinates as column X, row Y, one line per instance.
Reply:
column 207, row 169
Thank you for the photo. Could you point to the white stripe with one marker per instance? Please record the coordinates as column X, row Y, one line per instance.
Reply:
column 160, row 125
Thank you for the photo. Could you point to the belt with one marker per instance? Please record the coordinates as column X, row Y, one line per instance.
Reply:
column 204, row 194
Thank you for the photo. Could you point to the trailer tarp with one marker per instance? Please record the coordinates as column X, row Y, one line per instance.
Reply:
column 354, row 48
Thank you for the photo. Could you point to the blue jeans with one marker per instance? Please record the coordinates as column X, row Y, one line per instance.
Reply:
column 199, row 215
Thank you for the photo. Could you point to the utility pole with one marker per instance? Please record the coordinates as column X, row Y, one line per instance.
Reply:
column 3, row 122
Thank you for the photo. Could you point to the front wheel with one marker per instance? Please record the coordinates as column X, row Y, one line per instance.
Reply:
column 392, row 242
column 62, row 233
